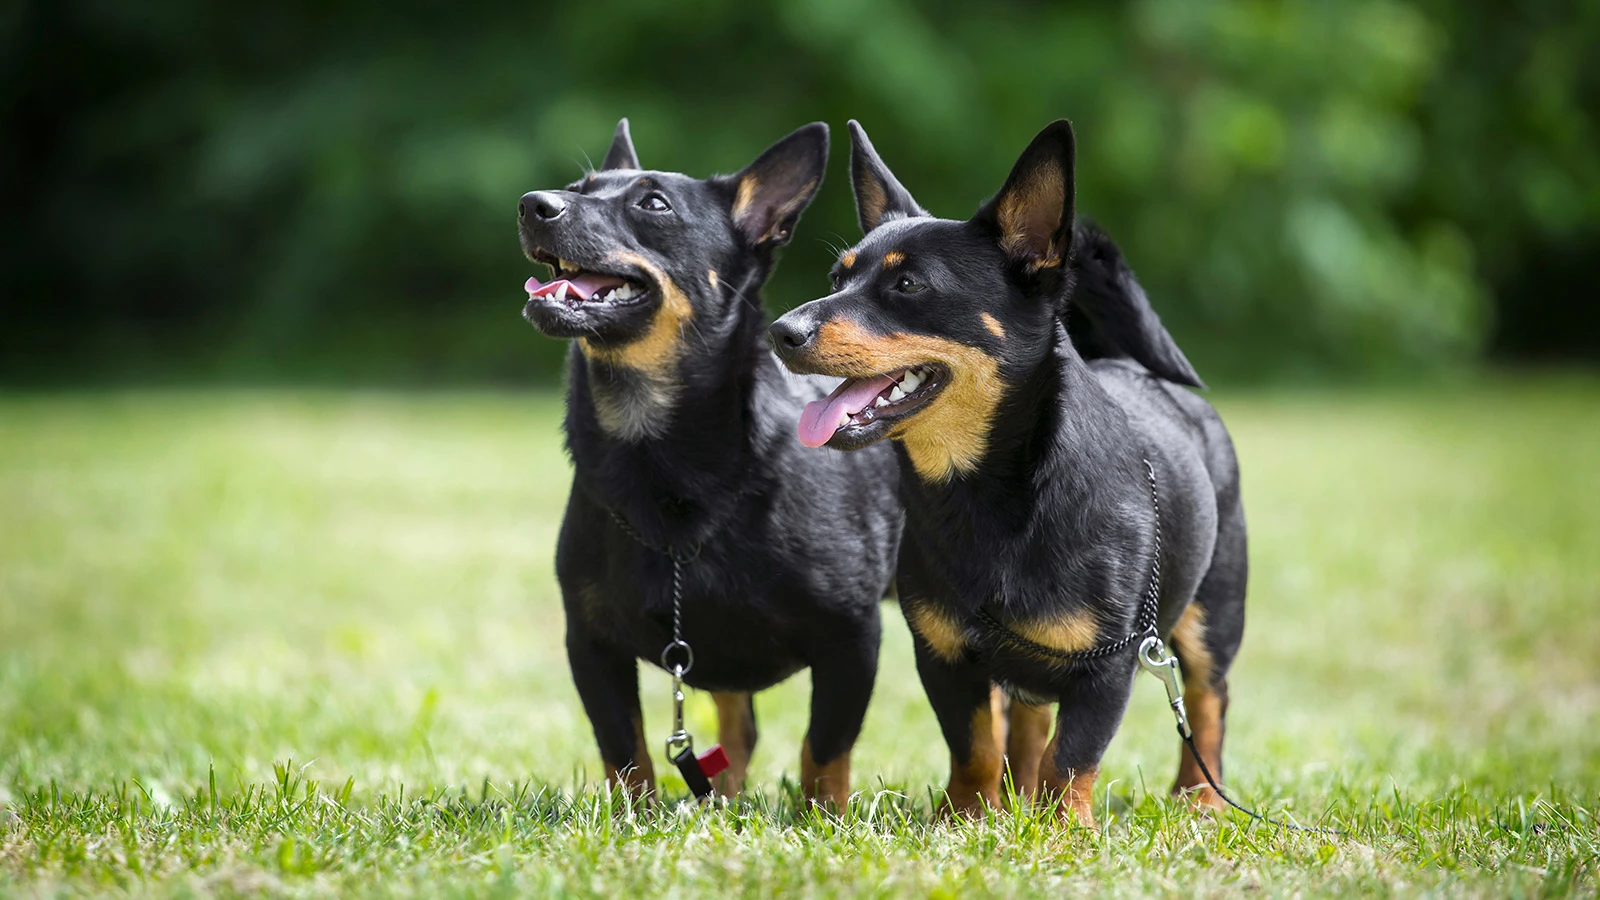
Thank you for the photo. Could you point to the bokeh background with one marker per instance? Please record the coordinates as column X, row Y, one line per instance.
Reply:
column 271, row 519
column 325, row 191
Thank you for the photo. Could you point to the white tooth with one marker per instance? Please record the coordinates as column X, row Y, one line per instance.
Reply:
column 844, row 418
column 561, row 292
column 896, row 395
column 882, row 401
column 908, row 383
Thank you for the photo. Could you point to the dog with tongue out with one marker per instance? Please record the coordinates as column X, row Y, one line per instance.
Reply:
column 680, row 427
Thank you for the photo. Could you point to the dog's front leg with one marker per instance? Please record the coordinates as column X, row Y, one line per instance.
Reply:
column 842, row 675
column 965, row 704
column 1092, row 706
column 608, row 683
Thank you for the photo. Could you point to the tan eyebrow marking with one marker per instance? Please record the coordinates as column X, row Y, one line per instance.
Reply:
column 994, row 326
column 893, row 258
column 848, row 260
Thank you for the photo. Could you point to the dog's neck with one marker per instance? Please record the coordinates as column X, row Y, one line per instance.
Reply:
column 1056, row 476
column 667, row 446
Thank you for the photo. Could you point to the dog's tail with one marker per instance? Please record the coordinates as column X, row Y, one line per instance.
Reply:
column 1114, row 318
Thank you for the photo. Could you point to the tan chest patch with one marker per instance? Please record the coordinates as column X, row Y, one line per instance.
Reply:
column 1069, row 632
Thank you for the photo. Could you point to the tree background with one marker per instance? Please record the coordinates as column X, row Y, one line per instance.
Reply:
column 326, row 191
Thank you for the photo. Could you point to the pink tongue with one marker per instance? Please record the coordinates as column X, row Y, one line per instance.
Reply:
column 584, row 286
column 823, row 417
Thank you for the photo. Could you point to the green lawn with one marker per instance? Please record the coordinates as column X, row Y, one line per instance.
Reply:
column 310, row 644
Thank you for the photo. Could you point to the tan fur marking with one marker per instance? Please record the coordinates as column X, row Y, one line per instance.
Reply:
column 1206, row 710
column 654, row 356
column 1045, row 190
column 872, row 201
column 1029, row 733
column 1072, row 631
column 736, row 732
column 994, row 326
column 1072, row 791
column 893, row 258
column 711, row 277
column 826, row 783
column 951, row 433
column 941, row 632
column 1190, row 637
column 848, row 260
column 976, row 783
column 638, row 779
column 744, row 196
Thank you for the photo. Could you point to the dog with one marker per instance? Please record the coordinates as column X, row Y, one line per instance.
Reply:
column 678, row 426
column 1033, row 526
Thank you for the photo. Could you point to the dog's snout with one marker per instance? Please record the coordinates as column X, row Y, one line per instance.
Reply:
column 791, row 334
column 541, row 206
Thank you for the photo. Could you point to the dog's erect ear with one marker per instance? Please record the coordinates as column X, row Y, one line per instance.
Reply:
column 879, row 195
column 1032, row 214
column 772, row 192
column 621, row 155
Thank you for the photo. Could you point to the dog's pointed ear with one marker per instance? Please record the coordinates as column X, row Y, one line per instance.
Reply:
column 621, row 155
column 879, row 195
column 770, row 194
column 1032, row 215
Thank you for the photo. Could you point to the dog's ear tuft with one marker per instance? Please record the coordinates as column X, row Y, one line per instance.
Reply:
column 879, row 195
column 772, row 192
column 621, row 155
column 1032, row 215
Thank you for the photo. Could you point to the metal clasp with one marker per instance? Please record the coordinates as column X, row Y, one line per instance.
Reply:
column 1154, row 658
column 679, row 740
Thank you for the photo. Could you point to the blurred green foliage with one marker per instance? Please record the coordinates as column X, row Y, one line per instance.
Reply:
column 327, row 190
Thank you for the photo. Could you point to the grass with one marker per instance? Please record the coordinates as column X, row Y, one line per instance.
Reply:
column 310, row 645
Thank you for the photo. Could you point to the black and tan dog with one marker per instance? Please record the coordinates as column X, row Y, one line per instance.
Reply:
column 680, row 427
column 1031, row 526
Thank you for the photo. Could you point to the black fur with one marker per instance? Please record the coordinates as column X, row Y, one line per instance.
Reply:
column 796, row 549
column 1054, row 516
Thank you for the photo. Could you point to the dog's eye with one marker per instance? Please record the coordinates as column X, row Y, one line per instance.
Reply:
column 907, row 285
column 833, row 279
column 654, row 203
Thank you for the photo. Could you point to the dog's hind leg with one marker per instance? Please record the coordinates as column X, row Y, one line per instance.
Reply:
column 1028, row 727
column 1206, row 639
column 841, row 686
column 736, row 731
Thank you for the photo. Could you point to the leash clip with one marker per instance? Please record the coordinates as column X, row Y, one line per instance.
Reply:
column 679, row 739
column 1154, row 658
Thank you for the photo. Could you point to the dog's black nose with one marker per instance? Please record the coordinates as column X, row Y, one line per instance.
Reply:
column 542, row 205
column 791, row 334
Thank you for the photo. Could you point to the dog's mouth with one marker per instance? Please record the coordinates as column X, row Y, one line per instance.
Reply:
column 577, row 287
column 862, row 410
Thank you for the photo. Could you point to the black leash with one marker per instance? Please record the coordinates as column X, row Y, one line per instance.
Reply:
column 1153, row 658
